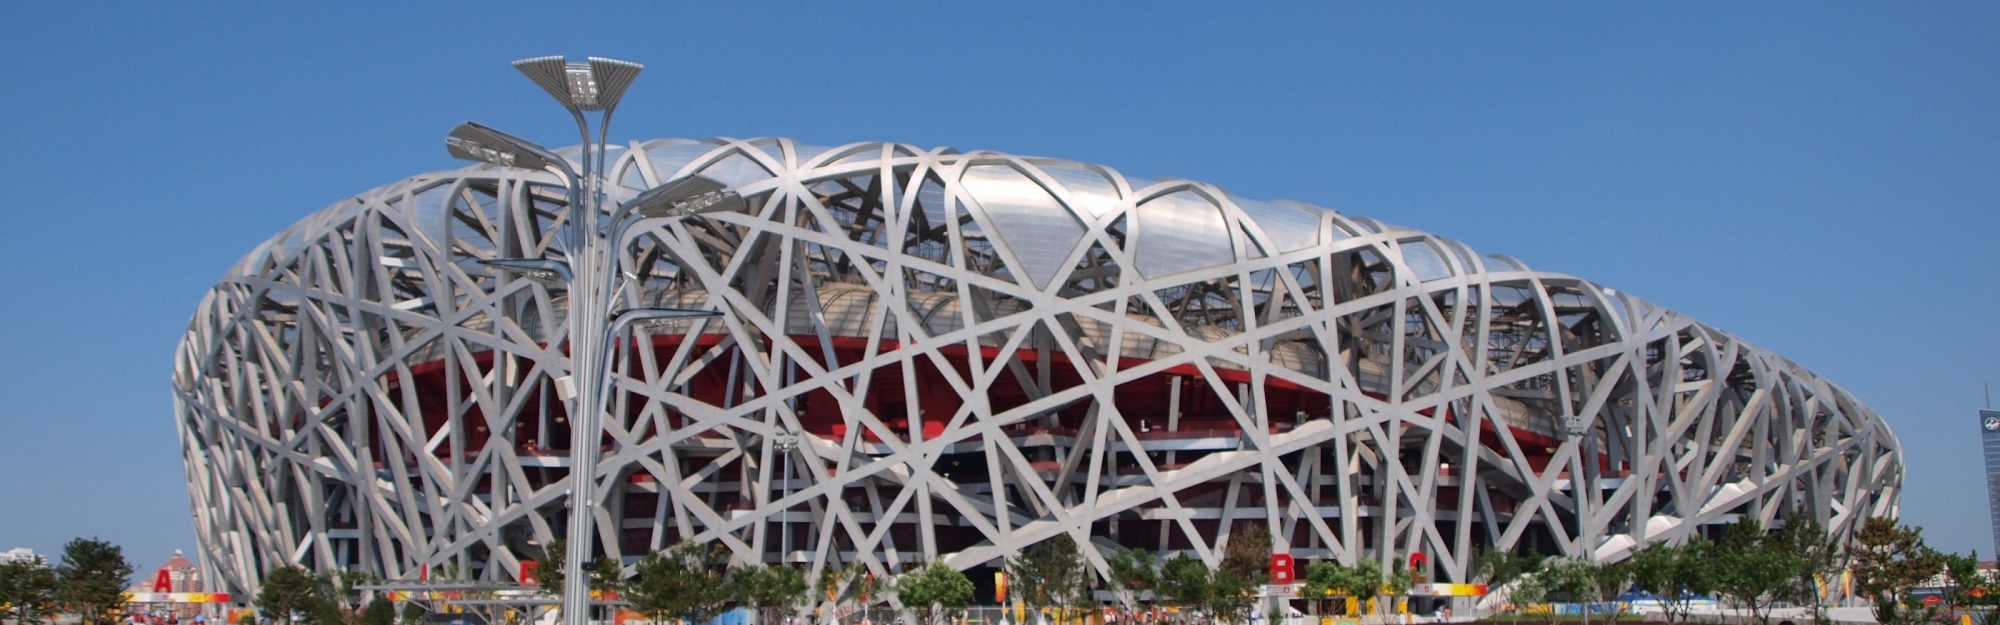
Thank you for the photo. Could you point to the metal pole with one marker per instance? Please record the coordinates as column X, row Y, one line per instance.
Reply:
column 587, row 342
column 591, row 271
column 786, row 442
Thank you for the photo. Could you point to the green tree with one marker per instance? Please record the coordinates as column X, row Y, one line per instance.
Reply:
column 1888, row 560
column 1608, row 580
column 605, row 575
column 289, row 592
column 549, row 576
column 1133, row 574
column 1652, row 572
column 1818, row 562
column 30, row 587
column 1676, row 575
column 1184, row 582
column 1230, row 597
column 829, row 583
column 342, row 585
column 549, row 571
column 379, row 612
column 326, row 612
column 1527, row 590
column 412, row 613
column 1976, row 594
column 91, row 580
column 1216, row 593
column 1497, row 568
column 1248, row 553
column 1321, row 583
column 1401, row 579
column 936, row 593
column 1363, row 582
column 774, row 591
column 863, row 588
column 1755, row 569
column 1050, row 574
column 686, row 582
column 1565, row 579
column 1961, row 573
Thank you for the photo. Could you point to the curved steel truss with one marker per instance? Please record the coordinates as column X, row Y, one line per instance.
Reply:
column 934, row 354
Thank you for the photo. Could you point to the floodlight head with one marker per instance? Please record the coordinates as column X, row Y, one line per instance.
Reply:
column 692, row 195
column 613, row 77
column 630, row 316
column 717, row 202
column 546, row 271
column 473, row 142
column 593, row 86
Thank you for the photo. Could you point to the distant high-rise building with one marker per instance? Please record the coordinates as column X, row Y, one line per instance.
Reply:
column 1989, row 437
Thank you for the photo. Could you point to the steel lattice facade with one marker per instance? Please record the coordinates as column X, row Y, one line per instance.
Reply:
column 977, row 352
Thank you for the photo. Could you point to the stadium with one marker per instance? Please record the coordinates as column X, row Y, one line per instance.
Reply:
column 940, row 355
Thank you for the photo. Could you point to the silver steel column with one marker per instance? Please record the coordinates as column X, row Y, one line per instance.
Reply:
column 586, row 343
column 579, row 87
column 590, row 273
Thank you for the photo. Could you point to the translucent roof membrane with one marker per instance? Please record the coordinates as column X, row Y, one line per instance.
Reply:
column 427, row 209
column 1616, row 301
column 1088, row 191
column 1507, row 263
column 1425, row 262
column 1288, row 227
column 1368, row 224
column 668, row 159
column 1181, row 231
column 1031, row 222
column 574, row 156
column 806, row 152
column 736, row 170
column 1466, row 258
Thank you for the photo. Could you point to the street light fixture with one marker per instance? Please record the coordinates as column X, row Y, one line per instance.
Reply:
column 596, row 85
column 693, row 195
column 590, row 271
column 474, row 142
column 785, row 443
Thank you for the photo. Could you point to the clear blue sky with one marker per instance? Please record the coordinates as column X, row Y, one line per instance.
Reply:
column 1818, row 178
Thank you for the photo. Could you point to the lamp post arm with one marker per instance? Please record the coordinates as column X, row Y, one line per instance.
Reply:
column 630, row 316
column 583, row 133
column 583, row 200
column 569, row 177
column 624, row 318
column 554, row 268
column 477, row 142
column 619, row 216
column 603, row 134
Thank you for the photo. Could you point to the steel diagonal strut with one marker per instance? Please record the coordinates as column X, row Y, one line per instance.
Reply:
column 865, row 356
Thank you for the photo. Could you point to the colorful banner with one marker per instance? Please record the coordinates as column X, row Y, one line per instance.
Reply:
column 1448, row 590
column 177, row 597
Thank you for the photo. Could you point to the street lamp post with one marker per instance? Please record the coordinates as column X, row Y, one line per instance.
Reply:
column 785, row 443
column 590, row 270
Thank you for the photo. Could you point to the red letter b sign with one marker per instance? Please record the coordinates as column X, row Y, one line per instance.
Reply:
column 1281, row 568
